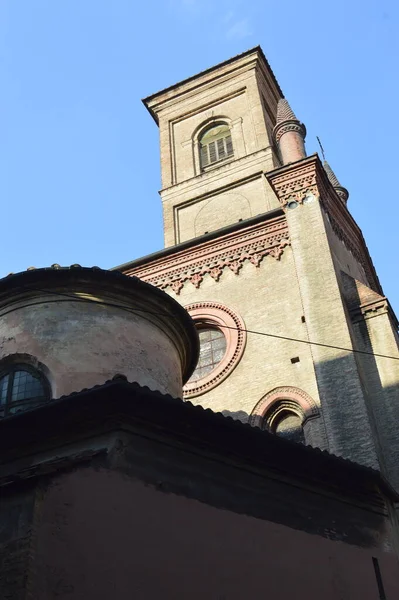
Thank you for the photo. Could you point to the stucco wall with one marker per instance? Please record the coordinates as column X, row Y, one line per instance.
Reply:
column 85, row 344
column 103, row 535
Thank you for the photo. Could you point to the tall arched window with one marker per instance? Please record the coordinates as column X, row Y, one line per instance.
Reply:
column 215, row 144
column 21, row 387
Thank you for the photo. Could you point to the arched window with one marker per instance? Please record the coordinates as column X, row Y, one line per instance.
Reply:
column 22, row 387
column 288, row 425
column 285, row 411
column 215, row 144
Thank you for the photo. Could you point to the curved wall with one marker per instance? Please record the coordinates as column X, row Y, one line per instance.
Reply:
column 86, row 325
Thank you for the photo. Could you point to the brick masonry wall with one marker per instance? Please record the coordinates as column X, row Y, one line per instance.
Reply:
column 268, row 300
column 234, row 97
column 381, row 383
column 344, row 410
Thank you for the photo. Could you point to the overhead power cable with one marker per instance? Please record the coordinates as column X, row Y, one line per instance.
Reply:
column 157, row 314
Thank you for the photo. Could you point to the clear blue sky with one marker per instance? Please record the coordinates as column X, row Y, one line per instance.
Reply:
column 79, row 158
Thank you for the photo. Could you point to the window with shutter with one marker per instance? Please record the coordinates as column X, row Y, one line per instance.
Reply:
column 215, row 145
column 204, row 155
column 221, row 150
column 212, row 152
column 229, row 146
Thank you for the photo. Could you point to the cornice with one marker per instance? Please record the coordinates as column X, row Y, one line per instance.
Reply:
column 307, row 177
column 251, row 244
column 213, row 176
column 367, row 312
column 250, row 59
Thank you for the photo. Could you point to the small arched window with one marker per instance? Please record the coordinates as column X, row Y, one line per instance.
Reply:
column 288, row 425
column 22, row 387
column 285, row 419
column 215, row 144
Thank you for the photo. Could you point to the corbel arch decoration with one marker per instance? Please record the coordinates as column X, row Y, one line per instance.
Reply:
column 280, row 401
column 226, row 324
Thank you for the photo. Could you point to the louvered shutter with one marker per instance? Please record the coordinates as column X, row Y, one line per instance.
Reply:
column 204, row 156
column 229, row 146
column 221, row 149
column 212, row 152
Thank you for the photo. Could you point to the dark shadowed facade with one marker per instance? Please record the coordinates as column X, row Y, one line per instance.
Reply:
column 121, row 492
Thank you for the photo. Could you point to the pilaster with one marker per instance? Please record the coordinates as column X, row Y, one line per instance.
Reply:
column 308, row 199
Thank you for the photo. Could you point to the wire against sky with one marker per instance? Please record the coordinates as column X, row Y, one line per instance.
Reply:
column 252, row 331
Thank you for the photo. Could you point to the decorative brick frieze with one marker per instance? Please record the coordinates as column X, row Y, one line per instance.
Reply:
column 304, row 403
column 251, row 244
column 297, row 181
column 282, row 128
column 219, row 316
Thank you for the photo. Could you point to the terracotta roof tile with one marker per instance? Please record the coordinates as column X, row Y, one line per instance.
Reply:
column 195, row 425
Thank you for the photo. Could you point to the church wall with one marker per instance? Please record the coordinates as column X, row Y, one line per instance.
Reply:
column 232, row 94
column 343, row 258
column 105, row 535
column 267, row 298
column 84, row 344
column 344, row 410
column 235, row 110
column 230, row 203
column 232, row 97
column 17, row 527
column 299, row 297
column 374, row 333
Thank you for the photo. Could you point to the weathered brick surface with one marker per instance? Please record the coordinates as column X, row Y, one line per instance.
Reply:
column 268, row 300
column 245, row 97
column 380, row 376
column 345, row 413
column 300, row 296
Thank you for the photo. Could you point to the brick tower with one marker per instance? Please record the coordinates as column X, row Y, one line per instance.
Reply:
column 258, row 238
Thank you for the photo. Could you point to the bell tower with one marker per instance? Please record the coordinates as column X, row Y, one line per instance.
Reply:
column 216, row 136
column 296, row 334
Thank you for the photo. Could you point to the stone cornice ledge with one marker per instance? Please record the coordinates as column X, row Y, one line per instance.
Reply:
column 375, row 308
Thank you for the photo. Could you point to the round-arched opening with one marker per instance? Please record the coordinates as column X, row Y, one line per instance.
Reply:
column 288, row 425
column 22, row 387
column 285, row 411
column 215, row 144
